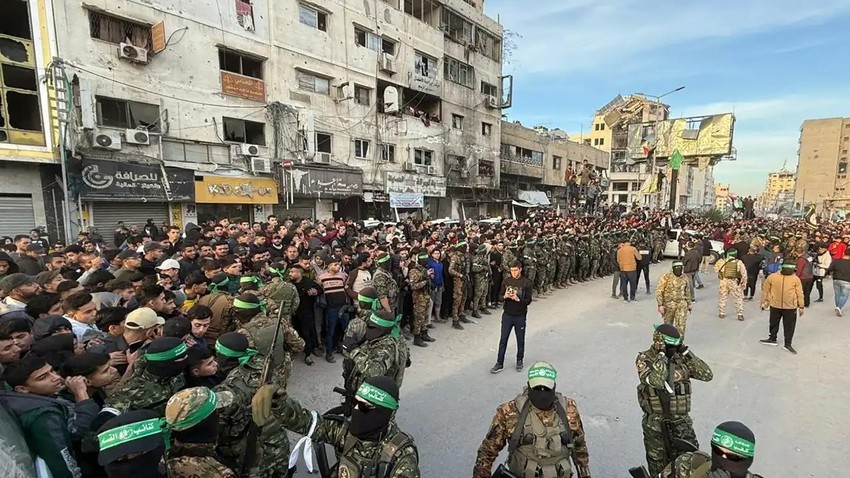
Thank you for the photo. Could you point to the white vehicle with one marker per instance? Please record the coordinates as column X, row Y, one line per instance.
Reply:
column 671, row 249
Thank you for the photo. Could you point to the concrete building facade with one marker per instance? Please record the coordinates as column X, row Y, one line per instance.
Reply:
column 778, row 191
column 721, row 197
column 293, row 108
column 821, row 177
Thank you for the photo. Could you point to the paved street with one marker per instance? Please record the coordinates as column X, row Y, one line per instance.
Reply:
column 796, row 405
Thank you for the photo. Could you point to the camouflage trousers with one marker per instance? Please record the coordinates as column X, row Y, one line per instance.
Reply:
column 676, row 313
column 479, row 292
column 730, row 287
column 653, row 439
column 459, row 294
column 563, row 264
column 553, row 271
column 540, row 279
column 274, row 454
column 421, row 309
column 594, row 268
column 530, row 272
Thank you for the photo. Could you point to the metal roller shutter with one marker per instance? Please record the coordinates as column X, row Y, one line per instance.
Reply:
column 105, row 216
column 17, row 215
column 304, row 209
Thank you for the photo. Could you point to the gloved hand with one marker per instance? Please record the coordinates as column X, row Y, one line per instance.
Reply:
column 719, row 474
column 261, row 404
column 682, row 349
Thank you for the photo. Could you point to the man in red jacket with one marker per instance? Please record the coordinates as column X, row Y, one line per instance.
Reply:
column 837, row 247
column 805, row 271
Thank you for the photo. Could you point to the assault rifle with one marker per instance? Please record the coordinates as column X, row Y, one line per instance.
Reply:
column 673, row 446
column 339, row 412
column 251, row 465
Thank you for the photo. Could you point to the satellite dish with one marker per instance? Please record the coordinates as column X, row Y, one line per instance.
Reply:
column 390, row 99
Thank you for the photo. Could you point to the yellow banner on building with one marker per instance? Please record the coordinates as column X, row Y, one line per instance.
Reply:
column 220, row 190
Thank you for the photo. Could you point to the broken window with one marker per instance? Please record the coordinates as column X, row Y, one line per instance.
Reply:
column 556, row 162
column 323, row 142
column 459, row 72
column 486, row 129
column 116, row 113
column 312, row 83
column 118, row 30
column 313, row 17
column 240, row 64
column 387, row 46
column 361, row 95
column 487, row 44
column 426, row 65
column 490, row 90
column 424, row 10
column 387, row 152
column 457, row 122
column 15, row 21
column 842, row 168
column 20, row 114
column 456, row 27
column 243, row 131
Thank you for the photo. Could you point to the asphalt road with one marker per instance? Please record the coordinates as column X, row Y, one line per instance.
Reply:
column 797, row 405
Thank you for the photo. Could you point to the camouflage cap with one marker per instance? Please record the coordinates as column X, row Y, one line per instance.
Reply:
column 191, row 406
column 542, row 374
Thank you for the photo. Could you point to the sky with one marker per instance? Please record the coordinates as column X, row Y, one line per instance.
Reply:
column 773, row 63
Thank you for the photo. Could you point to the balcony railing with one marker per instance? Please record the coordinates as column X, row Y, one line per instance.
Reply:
column 531, row 161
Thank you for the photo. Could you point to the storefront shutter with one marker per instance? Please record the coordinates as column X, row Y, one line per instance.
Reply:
column 16, row 214
column 301, row 208
column 105, row 216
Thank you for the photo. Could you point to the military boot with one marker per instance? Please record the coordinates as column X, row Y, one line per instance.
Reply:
column 426, row 337
column 456, row 325
column 476, row 314
column 417, row 341
column 486, row 311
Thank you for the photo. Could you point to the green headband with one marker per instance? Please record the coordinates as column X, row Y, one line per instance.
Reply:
column 734, row 443
column 678, row 264
column 666, row 338
column 482, row 249
column 543, row 372
column 254, row 279
column 376, row 304
column 422, row 256
column 217, row 286
column 381, row 260
column 789, row 266
column 167, row 354
column 376, row 396
column 241, row 304
column 244, row 357
column 133, row 431
column 205, row 410
column 461, row 244
column 377, row 320
column 277, row 272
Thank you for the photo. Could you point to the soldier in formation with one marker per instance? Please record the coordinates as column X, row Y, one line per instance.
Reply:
column 420, row 287
column 160, row 375
column 733, row 278
column 733, row 448
column 381, row 353
column 457, row 271
column 673, row 296
column 480, row 271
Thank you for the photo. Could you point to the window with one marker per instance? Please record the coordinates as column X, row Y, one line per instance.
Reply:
column 457, row 28
column 312, row 83
column 599, row 127
column 323, row 142
column 842, row 168
column 313, row 17
column 601, row 141
column 367, row 39
column 20, row 115
column 619, row 186
column 596, row 141
column 118, row 30
column 362, row 95
column 426, row 65
column 459, row 72
column 556, row 162
column 387, row 46
column 387, row 152
column 487, row 44
column 127, row 114
column 240, row 64
column 457, row 122
column 242, row 131
column 422, row 157
column 361, row 149
column 486, row 129
column 489, row 89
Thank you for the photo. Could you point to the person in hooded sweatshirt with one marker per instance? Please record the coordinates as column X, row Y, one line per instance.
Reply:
column 7, row 265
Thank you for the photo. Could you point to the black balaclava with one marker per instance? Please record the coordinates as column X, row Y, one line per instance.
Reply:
column 543, row 398
column 166, row 367
column 204, row 432
column 734, row 436
column 678, row 268
column 145, row 465
column 670, row 337
column 234, row 341
column 371, row 424
column 246, row 307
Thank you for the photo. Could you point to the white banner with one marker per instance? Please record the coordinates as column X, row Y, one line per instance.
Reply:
column 407, row 200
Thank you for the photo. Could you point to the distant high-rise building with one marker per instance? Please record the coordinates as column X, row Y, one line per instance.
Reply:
column 778, row 192
column 822, row 163
column 721, row 197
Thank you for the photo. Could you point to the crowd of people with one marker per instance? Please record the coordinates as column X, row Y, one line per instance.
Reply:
column 173, row 345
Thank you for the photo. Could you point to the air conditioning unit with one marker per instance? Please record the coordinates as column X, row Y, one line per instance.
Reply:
column 102, row 139
column 492, row 102
column 137, row 136
column 246, row 149
column 464, row 174
column 261, row 165
column 387, row 63
column 132, row 53
column 432, row 170
column 324, row 158
column 409, row 167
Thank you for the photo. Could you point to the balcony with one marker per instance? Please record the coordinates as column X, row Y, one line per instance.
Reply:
column 521, row 166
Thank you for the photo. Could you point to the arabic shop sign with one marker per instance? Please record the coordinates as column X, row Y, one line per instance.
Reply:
column 123, row 181
column 249, row 190
column 415, row 183
column 319, row 183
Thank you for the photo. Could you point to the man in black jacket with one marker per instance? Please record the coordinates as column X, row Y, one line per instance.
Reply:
column 516, row 291
column 753, row 262
column 691, row 262
column 304, row 319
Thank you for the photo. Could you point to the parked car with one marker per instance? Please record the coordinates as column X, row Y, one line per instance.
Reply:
column 671, row 249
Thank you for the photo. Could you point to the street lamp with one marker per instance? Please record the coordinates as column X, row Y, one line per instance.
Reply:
column 674, row 177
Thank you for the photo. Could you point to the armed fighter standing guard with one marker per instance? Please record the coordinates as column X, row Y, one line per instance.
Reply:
column 542, row 429
column 664, row 394
column 673, row 295
column 733, row 448
column 733, row 278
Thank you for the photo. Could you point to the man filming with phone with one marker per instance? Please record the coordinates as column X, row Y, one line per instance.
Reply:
column 516, row 290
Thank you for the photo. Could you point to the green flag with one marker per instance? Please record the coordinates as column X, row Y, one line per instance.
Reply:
column 676, row 160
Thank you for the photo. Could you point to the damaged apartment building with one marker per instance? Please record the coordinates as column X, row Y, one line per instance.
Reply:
column 244, row 109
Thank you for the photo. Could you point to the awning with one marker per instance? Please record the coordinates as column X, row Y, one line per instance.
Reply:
column 523, row 204
column 536, row 198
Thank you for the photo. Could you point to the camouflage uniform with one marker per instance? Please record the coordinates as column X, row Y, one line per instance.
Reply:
column 505, row 422
column 196, row 460
column 221, row 305
column 235, row 420
column 420, row 290
column 456, row 271
column 542, row 267
column 563, row 259
column 385, row 356
column 260, row 332
column 732, row 280
column 529, row 263
column 553, row 263
column 144, row 391
column 356, row 328
column 655, row 377
column 354, row 455
column 593, row 249
column 674, row 294
column 584, row 259
column 280, row 293
column 693, row 465
column 481, row 281
column 387, row 288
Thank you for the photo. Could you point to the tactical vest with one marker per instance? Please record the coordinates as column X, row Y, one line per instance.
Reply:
column 238, row 429
column 353, row 375
column 285, row 294
column 534, row 446
column 730, row 270
column 680, row 399
column 263, row 336
column 379, row 465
